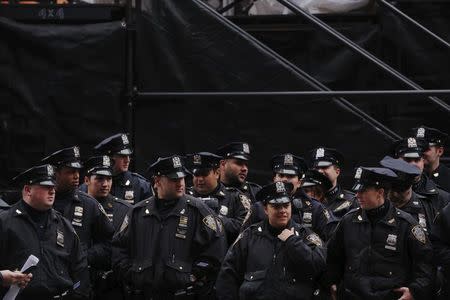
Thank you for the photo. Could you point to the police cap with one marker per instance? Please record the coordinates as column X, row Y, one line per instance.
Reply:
column 288, row 164
column 373, row 177
column 172, row 167
column 237, row 150
column 275, row 193
column 39, row 175
column 325, row 157
column 67, row 157
column 98, row 165
column 116, row 144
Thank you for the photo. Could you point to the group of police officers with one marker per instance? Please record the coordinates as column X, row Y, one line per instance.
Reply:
column 122, row 236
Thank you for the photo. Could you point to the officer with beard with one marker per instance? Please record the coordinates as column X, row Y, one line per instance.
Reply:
column 230, row 205
column 275, row 258
column 234, row 168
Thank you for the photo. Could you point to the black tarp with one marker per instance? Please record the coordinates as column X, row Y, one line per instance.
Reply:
column 183, row 37
column 60, row 85
column 64, row 84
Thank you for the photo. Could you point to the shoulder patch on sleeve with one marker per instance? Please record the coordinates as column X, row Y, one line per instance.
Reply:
column 419, row 234
column 315, row 239
column 100, row 207
column 245, row 201
column 213, row 223
column 124, row 224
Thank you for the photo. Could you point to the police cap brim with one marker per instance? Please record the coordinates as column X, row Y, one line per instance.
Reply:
column 281, row 200
column 126, row 151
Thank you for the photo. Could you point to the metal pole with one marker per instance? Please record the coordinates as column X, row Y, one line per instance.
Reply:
column 415, row 23
column 296, row 94
column 353, row 46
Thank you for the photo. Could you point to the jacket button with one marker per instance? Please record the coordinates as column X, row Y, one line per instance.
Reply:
column 390, row 273
column 140, row 269
column 251, row 277
column 181, row 268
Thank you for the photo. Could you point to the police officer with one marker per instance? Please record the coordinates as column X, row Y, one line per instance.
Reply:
column 411, row 150
column 275, row 258
column 229, row 204
column 126, row 185
column 305, row 210
column 234, row 168
column 32, row 227
column 171, row 245
column 377, row 250
column 329, row 162
column 441, row 247
column 402, row 195
column 436, row 170
column 98, row 180
column 84, row 212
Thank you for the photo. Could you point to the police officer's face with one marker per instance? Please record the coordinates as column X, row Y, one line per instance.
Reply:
column 432, row 155
column 370, row 197
column 332, row 172
column 278, row 214
column 168, row 188
column 294, row 179
column 121, row 163
column 205, row 181
column 40, row 197
column 67, row 179
column 98, row 186
column 316, row 192
column 418, row 162
column 234, row 170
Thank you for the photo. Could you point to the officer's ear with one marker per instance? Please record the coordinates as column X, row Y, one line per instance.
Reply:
column 26, row 190
column 222, row 163
column 87, row 179
column 265, row 209
column 338, row 170
column 440, row 151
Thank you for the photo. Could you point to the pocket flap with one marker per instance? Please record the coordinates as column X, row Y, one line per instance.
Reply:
column 180, row 266
column 141, row 265
column 253, row 276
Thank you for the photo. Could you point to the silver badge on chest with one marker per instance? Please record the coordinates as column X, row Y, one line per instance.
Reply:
column 391, row 242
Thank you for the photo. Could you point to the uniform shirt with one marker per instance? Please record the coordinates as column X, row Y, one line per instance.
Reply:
column 261, row 266
column 340, row 201
column 441, row 176
column 91, row 223
column 62, row 264
column 247, row 188
column 305, row 210
column 157, row 250
column 426, row 187
column 131, row 187
column 115, row 208
column 233, row 207
column 371, row 259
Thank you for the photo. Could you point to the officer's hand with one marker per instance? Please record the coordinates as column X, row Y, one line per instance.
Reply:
column 333, row 291
column 406, row 294
column 285, row 234
column 16, row 277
